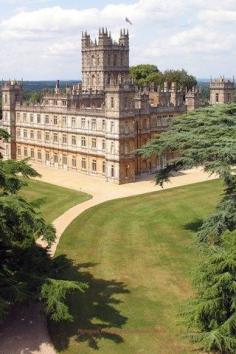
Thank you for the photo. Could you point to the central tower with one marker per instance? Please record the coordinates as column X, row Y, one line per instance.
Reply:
column 104, row 61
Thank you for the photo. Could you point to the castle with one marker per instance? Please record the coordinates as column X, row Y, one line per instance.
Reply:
column 94, row 127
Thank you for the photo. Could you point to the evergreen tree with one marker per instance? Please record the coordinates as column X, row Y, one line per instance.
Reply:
column 211, row 315
column 27, row 273
column 207, row 138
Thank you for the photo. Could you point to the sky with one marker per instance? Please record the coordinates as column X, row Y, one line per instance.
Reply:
column 41, row 39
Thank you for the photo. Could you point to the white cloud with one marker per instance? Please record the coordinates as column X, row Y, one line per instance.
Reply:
column 218, row 16
column 164, row 31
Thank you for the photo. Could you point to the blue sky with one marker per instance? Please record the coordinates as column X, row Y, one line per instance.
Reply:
column 40, row 39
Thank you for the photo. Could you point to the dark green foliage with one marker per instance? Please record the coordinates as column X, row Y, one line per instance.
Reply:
column 27, row 273
column 33, row 96
column 142, row 71
column 206, row 137
column 181, row 77
column 211, row 315
column 146, row 74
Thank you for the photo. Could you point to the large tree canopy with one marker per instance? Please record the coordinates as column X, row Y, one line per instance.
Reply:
column 207, row 138
column 27, row 273
column 146, row 74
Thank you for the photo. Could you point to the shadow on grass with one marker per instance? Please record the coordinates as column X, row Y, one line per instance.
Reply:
column 194, row 226
column 94, row 311
column 37, row 203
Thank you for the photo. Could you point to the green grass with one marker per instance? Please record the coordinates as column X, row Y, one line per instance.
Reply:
column 136, row 255
column 52, row 200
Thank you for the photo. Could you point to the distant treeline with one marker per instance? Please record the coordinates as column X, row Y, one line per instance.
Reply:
column 44, row 85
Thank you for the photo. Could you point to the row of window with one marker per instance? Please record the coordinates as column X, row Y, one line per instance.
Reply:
column 55, row 160
column 65, row 121
column 73, row 139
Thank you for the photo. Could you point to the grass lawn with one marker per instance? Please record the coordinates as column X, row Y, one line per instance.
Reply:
column 52, row 200
column 136, row 255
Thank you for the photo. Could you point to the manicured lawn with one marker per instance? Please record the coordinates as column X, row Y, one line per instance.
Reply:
column 52, row 200
column 136, row 255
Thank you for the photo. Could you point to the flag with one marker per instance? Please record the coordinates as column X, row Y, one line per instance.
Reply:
column 127, row 20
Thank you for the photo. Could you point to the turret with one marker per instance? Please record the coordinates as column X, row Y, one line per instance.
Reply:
column 192, row 99
column 124, row 38
column 11, row 95
column 221, row 91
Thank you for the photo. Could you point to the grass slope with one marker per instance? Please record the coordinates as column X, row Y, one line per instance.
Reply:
column 136, row 255
column 52, row 200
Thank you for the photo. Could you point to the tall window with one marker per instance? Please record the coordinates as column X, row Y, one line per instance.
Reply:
column 94, row 124
column 217, row 97
column 25, row 152
column 19, row 151
column 64, row 160
column 83, row 163
column 24, row 117
column 39, row 155
column 74, row 161
column 73, row 140
column 39, row 135
column 94, row 143
column 94, row 165
column 55, row 158
column 112, row 147
column 64, row 139
column 103, row 144
column 112, row 126
column 47, row 156
column 103, row 124
column 83, row 123
column 46, row 119
column 55, row 120
column 104, row 167
column 38, row 118
column 64, row 122
column 32, row 153
column 112, row 102
column 47, row 136
column 18, row 133
column 31, row 134
column 112, row 171
column 25, row 134
column 31, row 118
column 73, row 122
column 55, row 137
column 83, row 141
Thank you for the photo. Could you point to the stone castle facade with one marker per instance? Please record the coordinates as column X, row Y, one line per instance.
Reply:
column 94, row 127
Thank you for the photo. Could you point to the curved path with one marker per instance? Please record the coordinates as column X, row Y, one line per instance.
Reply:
column 26, row 332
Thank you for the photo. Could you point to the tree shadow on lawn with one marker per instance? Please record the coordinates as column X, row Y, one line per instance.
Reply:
column 37, row 203
column 194, row 226
column 94, row 312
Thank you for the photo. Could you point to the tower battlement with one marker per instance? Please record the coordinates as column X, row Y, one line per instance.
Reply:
column 105, row 39
column 104, row 61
